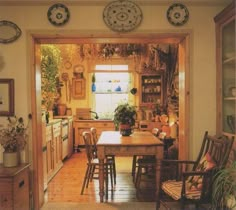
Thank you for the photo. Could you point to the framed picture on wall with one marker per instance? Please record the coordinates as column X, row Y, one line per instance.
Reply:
column 7, row 97
column 78, row 88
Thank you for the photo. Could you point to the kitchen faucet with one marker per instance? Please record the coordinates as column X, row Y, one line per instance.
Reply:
column 96, row 115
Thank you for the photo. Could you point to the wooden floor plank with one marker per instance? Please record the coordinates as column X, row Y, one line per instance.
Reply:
column 66, row 185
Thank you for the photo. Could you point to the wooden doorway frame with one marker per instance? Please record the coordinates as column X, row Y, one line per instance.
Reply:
column 183, row 39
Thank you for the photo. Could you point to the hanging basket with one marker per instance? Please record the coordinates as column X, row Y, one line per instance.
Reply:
column 10, row 159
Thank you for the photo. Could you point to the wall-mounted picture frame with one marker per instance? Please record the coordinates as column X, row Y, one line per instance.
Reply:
column 7, row 97
column 78, row 88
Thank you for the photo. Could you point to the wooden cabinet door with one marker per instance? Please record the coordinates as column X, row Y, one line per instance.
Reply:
column 57, row 144
column 70, row 138
column 49, row 156
column 49, row 151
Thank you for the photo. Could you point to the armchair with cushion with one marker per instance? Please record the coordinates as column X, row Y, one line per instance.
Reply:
column 186, row 182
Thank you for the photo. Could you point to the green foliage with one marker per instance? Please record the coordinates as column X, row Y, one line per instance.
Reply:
column 224, row 186
column 50, row 63
column 14, row 137
column 125, row 114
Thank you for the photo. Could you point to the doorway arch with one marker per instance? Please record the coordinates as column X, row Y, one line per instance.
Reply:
column 182, row 39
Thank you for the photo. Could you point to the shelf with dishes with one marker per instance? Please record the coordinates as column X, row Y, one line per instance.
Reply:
column 151, row 88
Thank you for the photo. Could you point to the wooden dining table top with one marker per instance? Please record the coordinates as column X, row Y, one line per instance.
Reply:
column 138, row 138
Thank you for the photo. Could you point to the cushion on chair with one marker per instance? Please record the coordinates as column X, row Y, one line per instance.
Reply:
column 205, row 164
column 193, row 184
column 173, row 189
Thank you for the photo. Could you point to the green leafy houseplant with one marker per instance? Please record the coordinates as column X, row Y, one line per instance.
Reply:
column 50, row 63
column 124, row 118
column 13, row 138
column 224, row 188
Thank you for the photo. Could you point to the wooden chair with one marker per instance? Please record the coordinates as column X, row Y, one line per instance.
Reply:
column 110, row 158
column 190, row 182
column 92, row 170
column 145, row 159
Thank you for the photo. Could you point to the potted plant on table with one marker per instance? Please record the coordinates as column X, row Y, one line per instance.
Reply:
column 124, row 118
column 224, row 188
column 13, row 139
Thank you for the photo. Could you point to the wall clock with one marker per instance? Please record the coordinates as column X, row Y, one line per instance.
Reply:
column 122, row 15
column 177, row 14
column 58, row 14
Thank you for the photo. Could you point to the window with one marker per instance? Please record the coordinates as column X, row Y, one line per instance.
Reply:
column 113, row 83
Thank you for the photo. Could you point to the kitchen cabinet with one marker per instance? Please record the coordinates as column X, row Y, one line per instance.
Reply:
column 49, row 152
column 14, row 187
column 84, row 125
column 70, row 137
column 226, row 73
column 152, row 88
column 64, row 135
column 53, row 148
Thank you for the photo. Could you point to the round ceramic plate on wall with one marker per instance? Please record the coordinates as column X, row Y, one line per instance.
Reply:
column 177, row 14
column 58, row 14
column 122, row 15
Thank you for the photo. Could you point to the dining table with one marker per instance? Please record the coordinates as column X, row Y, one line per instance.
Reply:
column 138, row 143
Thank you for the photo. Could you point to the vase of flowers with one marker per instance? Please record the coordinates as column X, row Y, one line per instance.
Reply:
column 13, row 139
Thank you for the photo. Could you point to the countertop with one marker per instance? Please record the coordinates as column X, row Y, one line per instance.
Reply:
column 92, row 120
column 63, row 117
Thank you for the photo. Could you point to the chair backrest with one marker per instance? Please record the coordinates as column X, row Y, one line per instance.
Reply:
column 218, row 147
column 88, row 145
column 155, row 131
column 94, row 135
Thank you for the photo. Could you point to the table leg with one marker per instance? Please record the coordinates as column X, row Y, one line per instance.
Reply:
column 159, row 157
column 101, row 179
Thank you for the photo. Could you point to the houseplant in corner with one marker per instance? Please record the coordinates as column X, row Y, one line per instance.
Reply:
column 224, row 188
column 124, row 118
column 13, row 139
column 51, row 84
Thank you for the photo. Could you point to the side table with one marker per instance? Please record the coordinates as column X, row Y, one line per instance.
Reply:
column 14, row 187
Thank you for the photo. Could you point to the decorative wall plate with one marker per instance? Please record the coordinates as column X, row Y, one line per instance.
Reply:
column 58, row 14
column 9, row 31
column 78, row 68
column 177, row 14
column 67, row 64
column 122, row 15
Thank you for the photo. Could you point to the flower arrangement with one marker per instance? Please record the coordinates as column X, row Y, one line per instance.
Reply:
column 14, row 137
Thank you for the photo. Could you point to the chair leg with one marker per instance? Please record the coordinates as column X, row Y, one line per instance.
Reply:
column 134, row 167
column 90, row 175
column 106, row 181
column 114, row 169
column 93, row 168
column 138, row 177
column 85, row 180
column 111, row 175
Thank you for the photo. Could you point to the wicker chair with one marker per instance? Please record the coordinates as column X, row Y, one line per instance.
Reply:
column 186, row 182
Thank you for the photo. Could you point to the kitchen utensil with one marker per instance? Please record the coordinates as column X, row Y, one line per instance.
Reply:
column 65, row 77
column 70, row 88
